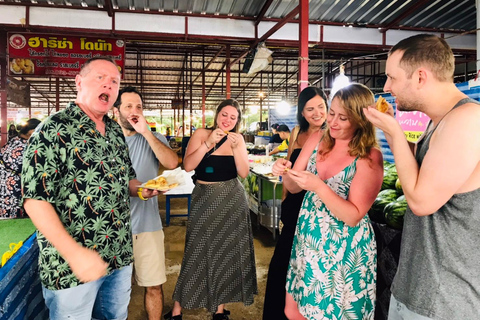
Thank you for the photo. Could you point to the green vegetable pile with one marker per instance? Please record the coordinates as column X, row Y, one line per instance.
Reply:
column 390, row 205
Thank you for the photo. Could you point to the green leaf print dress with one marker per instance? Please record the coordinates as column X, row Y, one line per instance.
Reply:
column 332, row 268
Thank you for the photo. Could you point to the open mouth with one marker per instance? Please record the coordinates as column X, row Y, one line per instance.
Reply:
column 134, row 119
column 104, row 97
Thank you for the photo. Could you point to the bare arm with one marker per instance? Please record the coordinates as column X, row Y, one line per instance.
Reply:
column 440, row 177
column 86, row 264
column 300, row 165
column 240, row 154
column 274, row 151
column 363, row 190
column 294, row 139
column 200, row 143
column 294, row 136
column 164, row 154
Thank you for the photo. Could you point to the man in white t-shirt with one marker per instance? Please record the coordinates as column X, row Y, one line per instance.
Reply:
column 147, row 151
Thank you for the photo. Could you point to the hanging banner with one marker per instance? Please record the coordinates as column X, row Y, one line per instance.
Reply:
column 413, row 123
column 33, row 54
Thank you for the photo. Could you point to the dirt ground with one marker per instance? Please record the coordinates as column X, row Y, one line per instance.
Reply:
column 174, row 246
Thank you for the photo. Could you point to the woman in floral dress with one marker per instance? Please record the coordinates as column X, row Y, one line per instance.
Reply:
column 332, row 270
column 11, row 157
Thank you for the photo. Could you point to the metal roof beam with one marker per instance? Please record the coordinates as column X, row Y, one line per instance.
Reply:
column 413, row 8
column 209, row 63
column 267, row 34
column 42, row 94
column 179, row 84
column 214, row 81
column 109, row 7
column 261, row 15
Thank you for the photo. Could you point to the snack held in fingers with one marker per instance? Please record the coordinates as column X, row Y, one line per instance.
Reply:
column 382, row 104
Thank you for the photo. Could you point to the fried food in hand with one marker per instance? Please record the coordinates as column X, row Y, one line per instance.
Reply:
column 151, row 184
column 382, row 104
column 160, row 184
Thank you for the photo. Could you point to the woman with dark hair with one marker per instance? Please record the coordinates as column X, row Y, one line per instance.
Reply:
column 218, row 265
column 311, row 115
column 12, row 132
column 11, row 157
column 275, row 139
column 332, row 268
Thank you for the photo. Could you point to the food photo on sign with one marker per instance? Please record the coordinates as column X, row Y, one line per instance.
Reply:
column 22, row 66
column 58, row 55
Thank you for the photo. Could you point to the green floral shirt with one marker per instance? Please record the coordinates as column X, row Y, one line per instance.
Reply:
column 85, row 176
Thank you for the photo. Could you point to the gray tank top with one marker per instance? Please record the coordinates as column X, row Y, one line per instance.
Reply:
column 438, row 274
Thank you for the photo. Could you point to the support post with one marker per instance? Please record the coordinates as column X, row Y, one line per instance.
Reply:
column 3, row 86
column 477, row 2
column 57, row 94
column 303, row 46
column 227, row 66
column 203, row 88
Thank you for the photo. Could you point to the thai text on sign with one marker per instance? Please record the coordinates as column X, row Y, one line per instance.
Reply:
column 33, row 54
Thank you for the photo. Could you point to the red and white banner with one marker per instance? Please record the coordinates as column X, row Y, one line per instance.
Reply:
column 33, row 54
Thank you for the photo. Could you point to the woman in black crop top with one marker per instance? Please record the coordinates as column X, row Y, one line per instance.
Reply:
column 311, row 115
column 218, row 265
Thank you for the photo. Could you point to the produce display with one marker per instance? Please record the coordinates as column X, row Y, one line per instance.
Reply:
column 390, row 205
column 251, row 185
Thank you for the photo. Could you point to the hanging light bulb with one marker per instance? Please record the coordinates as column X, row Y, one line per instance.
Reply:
column 283, row 107
column 340, row 82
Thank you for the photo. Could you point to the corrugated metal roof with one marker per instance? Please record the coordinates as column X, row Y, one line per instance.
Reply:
column 164, row 67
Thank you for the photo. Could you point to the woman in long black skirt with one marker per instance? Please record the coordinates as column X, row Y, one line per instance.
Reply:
column 218, row 265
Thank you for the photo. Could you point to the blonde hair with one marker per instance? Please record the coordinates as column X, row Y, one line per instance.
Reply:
column 354, row 98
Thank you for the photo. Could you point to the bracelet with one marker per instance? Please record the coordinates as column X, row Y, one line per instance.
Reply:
column 139, row 193
column 206, row 145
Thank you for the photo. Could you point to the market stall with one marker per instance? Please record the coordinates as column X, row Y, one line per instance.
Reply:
column 264, row 193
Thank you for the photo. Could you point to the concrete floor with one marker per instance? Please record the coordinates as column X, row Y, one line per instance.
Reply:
column 174, row 246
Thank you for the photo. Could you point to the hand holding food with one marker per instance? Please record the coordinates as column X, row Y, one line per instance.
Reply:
column 234, row 139
column 160, row 184
column 382, row 104
column 138, row 122
column 215, row 136
column 281, row 167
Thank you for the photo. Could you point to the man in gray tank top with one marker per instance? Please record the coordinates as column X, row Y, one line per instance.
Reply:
column 438, row 275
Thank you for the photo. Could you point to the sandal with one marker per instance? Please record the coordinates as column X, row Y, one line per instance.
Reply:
column 169, row 316
column 221, row 316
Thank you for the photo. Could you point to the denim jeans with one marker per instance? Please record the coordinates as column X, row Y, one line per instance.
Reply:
column 106, row 298
column 399, row 311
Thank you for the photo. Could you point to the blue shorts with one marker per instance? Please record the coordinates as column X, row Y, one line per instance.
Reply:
column 399, row 311
column 106, row 298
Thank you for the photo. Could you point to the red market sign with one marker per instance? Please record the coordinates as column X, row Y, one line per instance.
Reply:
column 32, row 54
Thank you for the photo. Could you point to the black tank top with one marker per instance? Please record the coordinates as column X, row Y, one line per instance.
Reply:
column 216, row 168
column 292, row 203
